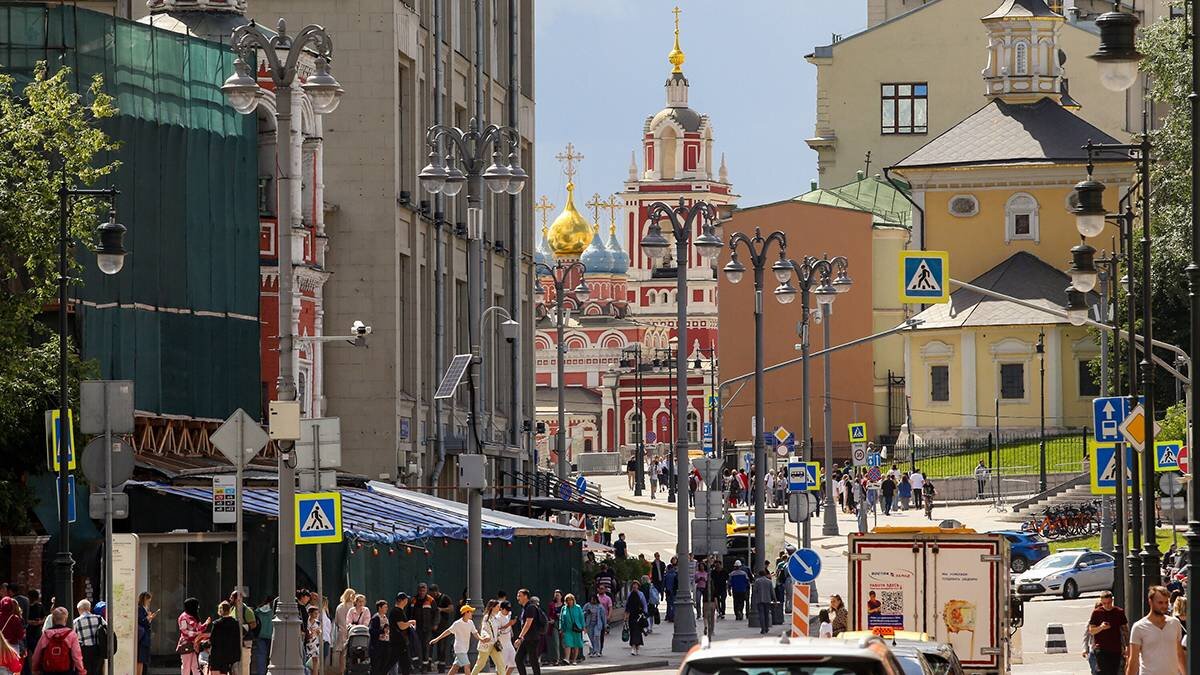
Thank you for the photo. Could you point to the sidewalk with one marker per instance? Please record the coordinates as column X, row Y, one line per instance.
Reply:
column 656, row 653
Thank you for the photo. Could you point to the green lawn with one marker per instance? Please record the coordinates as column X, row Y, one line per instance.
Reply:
column 1062, row 456
column 1164, row 541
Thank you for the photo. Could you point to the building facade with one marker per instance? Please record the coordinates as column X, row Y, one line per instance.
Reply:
column 890, row 89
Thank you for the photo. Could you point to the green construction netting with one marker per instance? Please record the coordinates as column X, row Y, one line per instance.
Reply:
column 181, row 319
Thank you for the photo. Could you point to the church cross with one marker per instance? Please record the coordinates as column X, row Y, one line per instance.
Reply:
column 596, row 205
column 568, row 158
column 545, row 207
column 612, row 205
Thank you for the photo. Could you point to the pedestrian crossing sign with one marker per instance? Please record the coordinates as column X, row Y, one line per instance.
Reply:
column 1104, row 465
column 318, row 518
column 1166, row 455
column 858, row 432
column 924, row 277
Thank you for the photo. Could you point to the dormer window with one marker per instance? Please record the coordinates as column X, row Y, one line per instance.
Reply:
column 1021, row 218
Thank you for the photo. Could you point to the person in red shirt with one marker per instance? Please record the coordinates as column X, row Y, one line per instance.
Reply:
column 8, row 656
column 61, row 631
column 1110, row 632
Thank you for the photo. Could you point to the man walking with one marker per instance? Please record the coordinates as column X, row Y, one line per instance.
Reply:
column 1110, row 635
column 763, row 596
column 657, row 569
column 888, row 490
column 88, row 627
column 532, row 623
column 917, row 480
column 1156, row 640
column 739, row 584
column 399, row 623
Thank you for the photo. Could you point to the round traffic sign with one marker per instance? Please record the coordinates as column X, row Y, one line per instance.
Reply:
column 651, row 437
column 92, row 461
column 1184, row 460
column 782, row 450
column 804, row 565
column 800, row 506
column 1170, row 484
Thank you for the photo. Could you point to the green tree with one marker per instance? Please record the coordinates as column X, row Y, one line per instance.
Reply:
column 46, row 131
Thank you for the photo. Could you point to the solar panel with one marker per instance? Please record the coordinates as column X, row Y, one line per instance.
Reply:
column 453, row 377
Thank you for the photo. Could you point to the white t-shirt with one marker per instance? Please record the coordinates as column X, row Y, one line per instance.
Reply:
column 826, row 630
column 462, row 631
column 1158, row 646
column 916, row 480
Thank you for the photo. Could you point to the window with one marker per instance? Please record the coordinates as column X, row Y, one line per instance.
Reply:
column 1021, row 218
column 939, row 383
column 635, row 429
column 1012, row 380
column 1056, row 6
column 1088, row 386
column 964, row 206
column 904, row 108
column 693, row 427
column 1021, row 58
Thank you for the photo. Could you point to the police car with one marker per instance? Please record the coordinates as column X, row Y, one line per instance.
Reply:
column 1068, row 573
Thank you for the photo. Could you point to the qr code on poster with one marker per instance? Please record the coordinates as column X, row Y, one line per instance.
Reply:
column 891, row 602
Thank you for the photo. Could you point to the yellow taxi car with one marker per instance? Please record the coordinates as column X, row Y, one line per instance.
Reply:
column 739, row 523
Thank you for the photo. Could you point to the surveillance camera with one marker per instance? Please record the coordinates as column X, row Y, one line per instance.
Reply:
column 360, row 329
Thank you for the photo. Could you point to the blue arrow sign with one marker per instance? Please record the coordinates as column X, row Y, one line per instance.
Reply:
column 581, row 484
column 70, row 495
column 804, row 566
column 874, row 459
column 1107, row 414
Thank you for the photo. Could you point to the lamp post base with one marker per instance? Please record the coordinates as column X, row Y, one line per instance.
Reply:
column 64, row 577
column 684, row 635
column 829, row 527
column 286, row 658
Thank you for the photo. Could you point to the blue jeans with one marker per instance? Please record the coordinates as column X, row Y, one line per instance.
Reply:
column 764, row 616
column 596, row 633
column 258, row 655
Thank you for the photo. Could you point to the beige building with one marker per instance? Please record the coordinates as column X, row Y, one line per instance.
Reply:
column 893, row 87
column 383, row 240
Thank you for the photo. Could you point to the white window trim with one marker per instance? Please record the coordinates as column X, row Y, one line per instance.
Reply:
column 1010, row 219
column 1011, row 351
column 1017, row 69
column 937, row 353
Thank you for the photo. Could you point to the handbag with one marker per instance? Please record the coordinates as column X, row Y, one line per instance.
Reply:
column 625, row 633
column 587, row 641
column 184, row 647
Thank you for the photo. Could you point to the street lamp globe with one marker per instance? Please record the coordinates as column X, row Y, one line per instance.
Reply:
column 708, row 243
column 654, row 243
column 735, row 270
column 1083, row 268
column 323, row 89
column 1089, row 213
column 785, row 293
column 517, row 177
column 241, row 89
column 842, row 282
column 433, row 176
column 497, row 176
column 1117, row 55
column 1077, row 308
column 826, row 293
column 510, row 330
column 455, row 180
column 782, row 269
column 110, row 254
column 582, row 292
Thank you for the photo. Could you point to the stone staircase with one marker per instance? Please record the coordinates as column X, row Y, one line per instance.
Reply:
column 1075, row 490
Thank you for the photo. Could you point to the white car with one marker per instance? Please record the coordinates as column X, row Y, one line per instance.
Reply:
column 1068, row 572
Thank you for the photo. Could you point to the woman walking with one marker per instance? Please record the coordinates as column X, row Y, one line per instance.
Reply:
column 226, row 642
column 489, row 642
column 145, row 621
column 380, row 641
column 9, row 658
column 837, row 614
column 342, row 624
column 505, row 619
column 904, row 491
column 653, row 476
column 595, row 619
column 635, row 618
column 190, row 628
column 571, row 625
column 12, row 624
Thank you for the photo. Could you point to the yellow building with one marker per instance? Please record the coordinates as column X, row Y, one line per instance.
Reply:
column 913, row 74
column 995, row 191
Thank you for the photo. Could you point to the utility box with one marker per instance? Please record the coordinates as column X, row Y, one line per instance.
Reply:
column 284, row 420
column 472, row 472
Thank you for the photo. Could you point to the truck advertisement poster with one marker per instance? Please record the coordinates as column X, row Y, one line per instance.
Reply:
column 887, row 593
column 962, row 605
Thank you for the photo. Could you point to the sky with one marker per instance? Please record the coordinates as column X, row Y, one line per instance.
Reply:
column 601, row 64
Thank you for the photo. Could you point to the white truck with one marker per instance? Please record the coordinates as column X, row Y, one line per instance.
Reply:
column 952, row 584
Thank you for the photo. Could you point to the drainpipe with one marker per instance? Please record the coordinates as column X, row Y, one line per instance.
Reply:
column 516, row 290
column 888, row 177
column 439, row 269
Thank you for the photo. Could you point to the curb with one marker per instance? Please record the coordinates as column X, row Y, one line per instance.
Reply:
column 639, row 664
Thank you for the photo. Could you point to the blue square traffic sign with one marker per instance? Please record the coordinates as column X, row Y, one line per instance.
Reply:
column 1107, row 414
column 1105, row 468
column 924, row 276
column 319, row 518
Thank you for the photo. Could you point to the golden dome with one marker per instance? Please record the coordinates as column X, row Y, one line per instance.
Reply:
column 570, row 233
column 676, row 56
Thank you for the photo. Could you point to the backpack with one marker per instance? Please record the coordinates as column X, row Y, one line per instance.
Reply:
column 539, row 620
column 56, row 655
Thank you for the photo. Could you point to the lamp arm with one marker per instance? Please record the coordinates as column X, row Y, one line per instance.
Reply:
column 311, row 34
column 248, row 40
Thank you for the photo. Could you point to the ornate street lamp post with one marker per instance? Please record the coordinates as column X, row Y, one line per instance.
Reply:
column 242, row 91
column 561, row 274
column 683, row 220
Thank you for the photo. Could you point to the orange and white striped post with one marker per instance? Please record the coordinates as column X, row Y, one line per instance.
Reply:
column 799, row 610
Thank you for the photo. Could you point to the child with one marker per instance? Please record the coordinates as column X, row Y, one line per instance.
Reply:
column 462, row 630
column 826, row 629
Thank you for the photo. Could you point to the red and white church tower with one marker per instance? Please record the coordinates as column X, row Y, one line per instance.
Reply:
column 630, row 315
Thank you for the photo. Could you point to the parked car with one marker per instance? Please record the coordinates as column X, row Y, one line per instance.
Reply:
column 798, row 656
column 1068, row 572
column 1026, row 548
column 739, row 523
column 940, row 656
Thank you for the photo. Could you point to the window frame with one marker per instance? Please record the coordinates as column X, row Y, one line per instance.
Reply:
column 1082, row 367
column 1012, row 212
column 895, row 98
column 1024, row 381
column 933, row 383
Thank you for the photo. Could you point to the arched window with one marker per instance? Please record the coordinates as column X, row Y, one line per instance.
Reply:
column 1021, row 58
column 693, row 427
column 1021, row 218
column 634, row 428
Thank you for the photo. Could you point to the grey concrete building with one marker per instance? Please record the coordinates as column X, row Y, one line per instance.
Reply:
column 383, row 240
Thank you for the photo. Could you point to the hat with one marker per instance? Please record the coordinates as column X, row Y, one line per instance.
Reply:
column 737, row 563
column 790, row 547
column 401, row 596
column 465, row 608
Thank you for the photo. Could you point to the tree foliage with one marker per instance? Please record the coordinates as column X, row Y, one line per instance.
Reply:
column 48, row 133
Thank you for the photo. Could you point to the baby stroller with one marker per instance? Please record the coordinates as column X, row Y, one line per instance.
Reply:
column 358, row 651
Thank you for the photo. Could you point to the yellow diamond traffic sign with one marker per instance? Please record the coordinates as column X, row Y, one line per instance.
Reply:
column 782, row 434
column 1133, row 428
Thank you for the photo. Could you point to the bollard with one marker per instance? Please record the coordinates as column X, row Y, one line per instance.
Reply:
column 1056, row 639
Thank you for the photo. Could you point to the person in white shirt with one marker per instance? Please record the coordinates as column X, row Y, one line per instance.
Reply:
column 462, row 630
column 1156, row 640
column 826, row 629
column 917, row 481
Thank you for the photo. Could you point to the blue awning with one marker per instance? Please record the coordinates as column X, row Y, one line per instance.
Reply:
column 367, row 515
